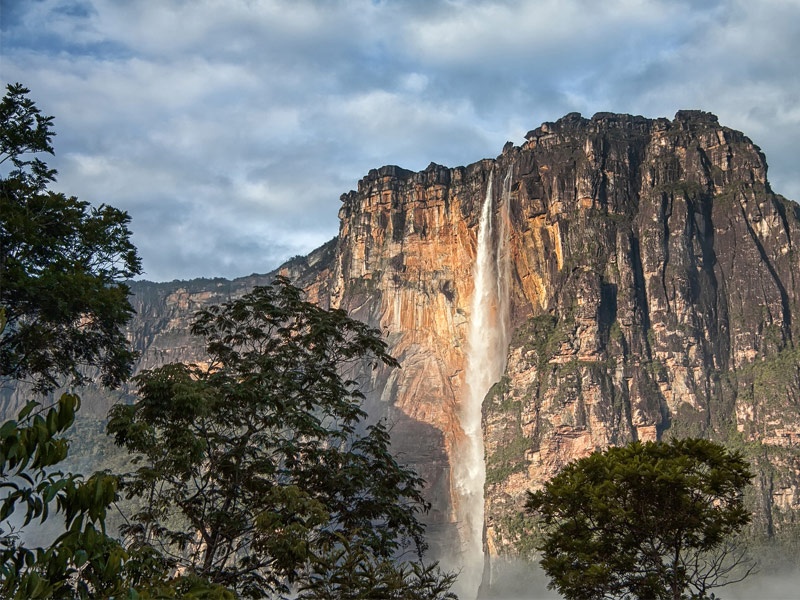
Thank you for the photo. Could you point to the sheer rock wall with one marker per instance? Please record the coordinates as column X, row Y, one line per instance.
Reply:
column 655, row 291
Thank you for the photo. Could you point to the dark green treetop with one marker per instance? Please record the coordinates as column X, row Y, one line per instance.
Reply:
column 645, row 521
column 25, row 131
column 63, row 300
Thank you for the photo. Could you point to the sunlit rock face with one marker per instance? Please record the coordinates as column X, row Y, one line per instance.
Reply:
column 653, row 290
column 406, row 264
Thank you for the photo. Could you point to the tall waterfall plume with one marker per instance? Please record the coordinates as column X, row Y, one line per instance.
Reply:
column 487, row 344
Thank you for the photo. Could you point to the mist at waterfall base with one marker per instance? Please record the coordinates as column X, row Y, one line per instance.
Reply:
column 525, row 580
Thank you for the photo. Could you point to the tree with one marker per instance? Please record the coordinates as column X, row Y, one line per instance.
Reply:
column 259, row 467
column 650, row 521
column 346, row 571
column 82, row 560
column 62, row 306
column 63, row 300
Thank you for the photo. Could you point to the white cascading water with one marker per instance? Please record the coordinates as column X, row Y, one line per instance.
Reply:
column 487, row 343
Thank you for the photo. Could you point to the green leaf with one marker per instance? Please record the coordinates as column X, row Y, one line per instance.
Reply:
column 8, row 429
column 27, row 410
column 80, row 558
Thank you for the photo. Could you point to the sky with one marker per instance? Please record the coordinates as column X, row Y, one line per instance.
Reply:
column 228, row 129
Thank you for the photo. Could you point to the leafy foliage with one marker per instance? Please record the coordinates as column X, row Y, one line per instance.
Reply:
column 25, row 131
column 62, row 265
column 650, row 520
column 260, row 462
column 346, row 571
column 61, row 308
column 82, row 559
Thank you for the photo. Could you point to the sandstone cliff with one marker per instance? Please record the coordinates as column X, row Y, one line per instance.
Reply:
column 653, row 287
column 653, row 290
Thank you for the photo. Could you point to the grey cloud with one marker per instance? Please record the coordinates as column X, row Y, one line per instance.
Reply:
column 229, row 129
column 735, row 66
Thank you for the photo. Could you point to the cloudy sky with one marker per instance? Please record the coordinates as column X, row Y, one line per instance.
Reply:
column 228, row 129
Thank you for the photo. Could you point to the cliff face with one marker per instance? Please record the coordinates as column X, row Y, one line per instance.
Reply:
column 667, row 308
column 653, row 290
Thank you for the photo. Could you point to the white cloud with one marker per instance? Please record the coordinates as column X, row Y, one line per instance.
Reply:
column 517, row 32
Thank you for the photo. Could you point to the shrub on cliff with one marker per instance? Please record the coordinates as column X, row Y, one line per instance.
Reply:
column 651, row 520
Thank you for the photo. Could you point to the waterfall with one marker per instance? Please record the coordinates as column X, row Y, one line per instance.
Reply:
column 487, row 344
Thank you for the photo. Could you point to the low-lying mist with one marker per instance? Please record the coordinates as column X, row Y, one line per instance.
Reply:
column 523, row 580
column 775, row 583
column 516, row 580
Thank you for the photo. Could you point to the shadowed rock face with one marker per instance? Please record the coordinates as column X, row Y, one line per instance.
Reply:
column 654, row 291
